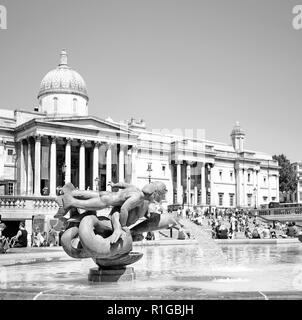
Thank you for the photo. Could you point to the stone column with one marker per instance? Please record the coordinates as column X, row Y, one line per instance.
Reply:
column 189, row 183
column 108, row 166
column 244, row 187
column 212, row 186
column 28, row 227
column 29, row 169
column 203, row 184
column 95, row 170
column 53, row 166
column 254, row 187
column 178, row 182
column 68, row 161
column 195, row 196
column 277, row 187
column 23, row 177
column 238, row 186
column 38, row 165
column 121, row 171
column 82, row 165
column 133, row 164
column 258, row 187
column 268, row 187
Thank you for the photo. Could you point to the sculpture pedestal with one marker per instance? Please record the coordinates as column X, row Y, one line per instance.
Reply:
column 111, row 275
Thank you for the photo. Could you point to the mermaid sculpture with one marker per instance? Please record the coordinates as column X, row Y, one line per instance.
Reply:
column 108, row 239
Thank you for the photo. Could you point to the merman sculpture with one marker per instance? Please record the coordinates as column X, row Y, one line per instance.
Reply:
column 108, row 239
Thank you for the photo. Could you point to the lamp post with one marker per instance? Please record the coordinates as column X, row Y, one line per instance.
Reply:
column 149, row 171
column 255, row 195
column 188, row 192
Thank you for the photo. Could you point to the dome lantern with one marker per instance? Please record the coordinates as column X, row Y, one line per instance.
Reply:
column 63, row 58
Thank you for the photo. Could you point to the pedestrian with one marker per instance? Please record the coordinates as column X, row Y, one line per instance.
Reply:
column 38, row 238
column 52, row 237
column 60, row 236
column 20, row 239
column 45, row 191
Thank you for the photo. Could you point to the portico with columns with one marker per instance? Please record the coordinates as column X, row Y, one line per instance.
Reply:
column 50, row 158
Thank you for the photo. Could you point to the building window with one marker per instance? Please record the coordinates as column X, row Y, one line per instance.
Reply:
column 231, row 199
column 75, row 105
column 161, row 148
column 208, row 200
column 264, row 180
column 220, row 175
column 55, row 105
column 9, row 157
column 273, row 199
column 175, row 197
column 248, row 177
column 10, row 190
column 231, row 176
column 249, row 200
column 264, row 199
column 163, row 167
column 220, row 195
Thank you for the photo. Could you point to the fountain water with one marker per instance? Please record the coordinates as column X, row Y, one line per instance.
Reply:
column 211, row 251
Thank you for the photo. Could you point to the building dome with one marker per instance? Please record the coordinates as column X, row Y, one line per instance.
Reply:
column 63, row 91
column 63, row 79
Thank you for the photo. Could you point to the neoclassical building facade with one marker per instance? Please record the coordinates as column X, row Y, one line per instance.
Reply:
column 60, row 142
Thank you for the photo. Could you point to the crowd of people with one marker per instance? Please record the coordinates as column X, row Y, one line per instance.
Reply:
column 38, row 238
column 224, row 224
column 239, row 223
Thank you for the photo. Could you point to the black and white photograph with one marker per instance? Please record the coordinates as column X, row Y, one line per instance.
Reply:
column 149, row 151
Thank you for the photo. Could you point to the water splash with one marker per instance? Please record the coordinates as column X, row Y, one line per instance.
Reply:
column 212, row 253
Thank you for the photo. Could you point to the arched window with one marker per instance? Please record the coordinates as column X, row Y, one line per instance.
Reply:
column 55, row 105
column 75, row 105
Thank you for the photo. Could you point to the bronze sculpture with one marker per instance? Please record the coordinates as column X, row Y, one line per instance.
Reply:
column 108, row 239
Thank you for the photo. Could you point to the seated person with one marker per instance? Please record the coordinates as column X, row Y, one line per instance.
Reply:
column 266, row 233
column 222, row 232
column 150, row 235
column 182, row 235
column 3, row 240
column 292, row 230
column 256, row 233
column 20, row 239
column 248, row 233
column 273, row 233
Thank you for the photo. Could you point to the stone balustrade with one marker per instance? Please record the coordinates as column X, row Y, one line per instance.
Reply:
column 281, row 211
column 43, row 202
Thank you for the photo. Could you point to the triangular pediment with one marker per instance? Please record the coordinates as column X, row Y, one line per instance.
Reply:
column 89, row 122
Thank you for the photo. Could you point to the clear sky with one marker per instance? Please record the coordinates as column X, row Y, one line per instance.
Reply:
column 201, row 64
